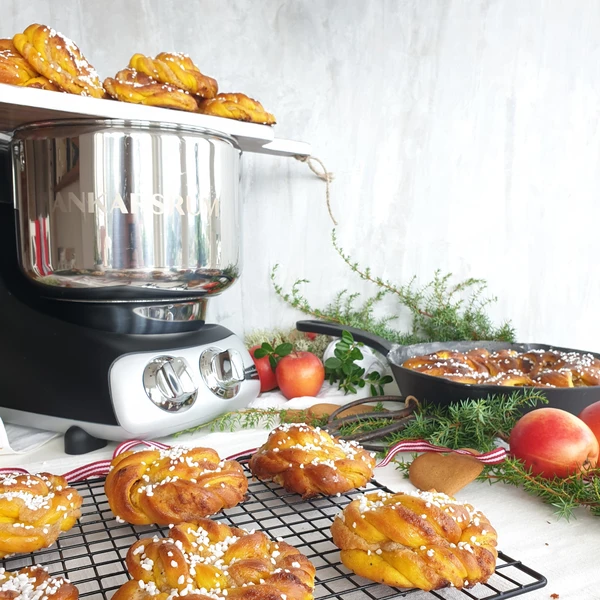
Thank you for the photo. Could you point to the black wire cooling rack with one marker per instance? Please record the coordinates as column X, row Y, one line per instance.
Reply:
column 92, row 554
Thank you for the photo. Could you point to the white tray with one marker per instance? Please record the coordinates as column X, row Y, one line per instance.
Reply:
column 19, row 106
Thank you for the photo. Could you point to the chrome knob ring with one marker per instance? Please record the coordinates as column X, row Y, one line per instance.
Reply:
column 222, row 371
column 169, row 384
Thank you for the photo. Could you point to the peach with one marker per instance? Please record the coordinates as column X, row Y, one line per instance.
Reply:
column 554, row 443
column 590, row 415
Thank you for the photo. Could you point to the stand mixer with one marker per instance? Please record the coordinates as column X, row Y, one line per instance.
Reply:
column 118, row 222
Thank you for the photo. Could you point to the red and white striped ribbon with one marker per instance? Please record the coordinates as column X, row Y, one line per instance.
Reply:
column 494, row 457
column 242, row 453
column 100, row 468
column 125, row 446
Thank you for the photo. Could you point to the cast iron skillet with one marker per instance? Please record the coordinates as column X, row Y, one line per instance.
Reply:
column 442, row 391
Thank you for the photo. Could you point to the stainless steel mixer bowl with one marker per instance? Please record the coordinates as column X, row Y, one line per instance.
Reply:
column 107, row 208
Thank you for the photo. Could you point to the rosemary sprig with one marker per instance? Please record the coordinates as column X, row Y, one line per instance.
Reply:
column 565, row 494
column 440, row 310
column 469, row 423
column 256, row 418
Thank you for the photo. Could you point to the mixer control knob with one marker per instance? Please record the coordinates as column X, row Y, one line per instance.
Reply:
column 222, row 371
column 169, row 384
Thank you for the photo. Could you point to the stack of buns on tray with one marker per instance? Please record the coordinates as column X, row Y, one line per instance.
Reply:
column 43, row 58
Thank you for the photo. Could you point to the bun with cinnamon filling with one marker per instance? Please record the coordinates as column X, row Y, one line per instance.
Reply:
column 132, row 86
column 32, row 583
column 212, row 560
column 236, row 106
column 308, row 461
column 34, row 510
column 59, row 60
column 416, row 540
column 172, row 486
column 177, row 70
column 15, row 70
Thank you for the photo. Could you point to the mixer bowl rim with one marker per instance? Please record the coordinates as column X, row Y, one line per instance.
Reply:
column 107, row 124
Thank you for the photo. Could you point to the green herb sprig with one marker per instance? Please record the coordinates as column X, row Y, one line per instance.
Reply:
column 256, row 418
column 343, row 370
column 469, row 423
column 440, row 310
column 564, row 494
column 274, row 354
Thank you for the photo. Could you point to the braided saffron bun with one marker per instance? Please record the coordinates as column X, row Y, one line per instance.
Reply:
column 236, row 106
column 211, row 560
column 32, row 583
column 178, row 70
column 34, row 510
column 132, row 86
column 15, row 70
column 172, row 486
column 58, row 59
column 423, row 540
column 308, row 461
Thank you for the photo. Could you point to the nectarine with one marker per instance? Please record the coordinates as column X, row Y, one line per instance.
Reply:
column 590, row 415
column 554, row 443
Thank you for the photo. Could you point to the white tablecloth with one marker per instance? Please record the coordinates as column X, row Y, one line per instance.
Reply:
column 566, row 553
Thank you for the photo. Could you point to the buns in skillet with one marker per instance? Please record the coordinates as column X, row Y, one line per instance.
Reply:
column 210, row 559
column 308, row 461
column 172, row 486
column 34, row 510
column 423, row 540
column 535, row 368
column 59, row 60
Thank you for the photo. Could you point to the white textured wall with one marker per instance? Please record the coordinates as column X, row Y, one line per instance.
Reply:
column 463, row 135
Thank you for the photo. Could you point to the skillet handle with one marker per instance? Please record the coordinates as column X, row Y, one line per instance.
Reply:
column 326, row 328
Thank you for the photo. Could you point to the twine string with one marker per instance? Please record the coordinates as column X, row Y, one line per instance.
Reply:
column 322, row 174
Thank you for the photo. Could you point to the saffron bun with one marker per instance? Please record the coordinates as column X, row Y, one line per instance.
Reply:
column 133, row 86
column 236, row 106
column 177, row 70
column 34, row 511
column 423, row 540
column 172, row 486
column 207, row 559
column 308, row 461
column 59, row 60
column 34, row 582
column 15, row 70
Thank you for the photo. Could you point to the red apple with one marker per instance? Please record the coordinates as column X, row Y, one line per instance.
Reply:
column 553, row 443
column 300, row 374
column 266, row 375
column 590, row 415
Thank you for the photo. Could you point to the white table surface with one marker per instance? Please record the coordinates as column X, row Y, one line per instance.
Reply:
column 566, row 553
